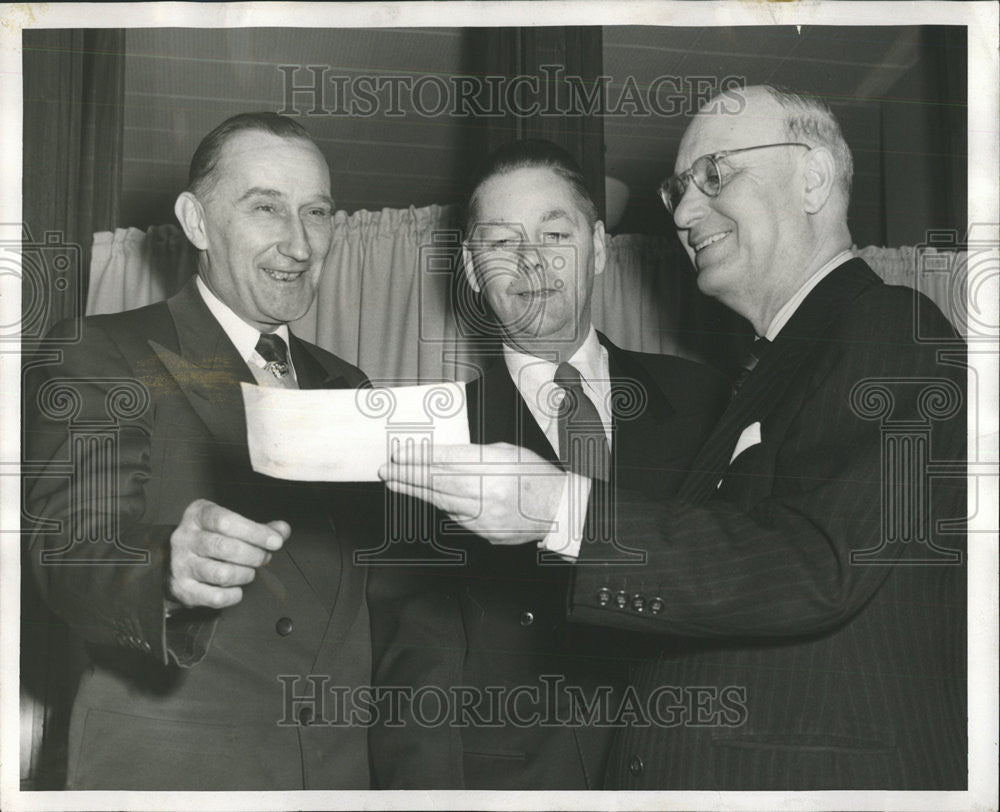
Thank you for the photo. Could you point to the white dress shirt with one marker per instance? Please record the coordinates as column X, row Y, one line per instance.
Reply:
column 534, row 378
column 244, row 337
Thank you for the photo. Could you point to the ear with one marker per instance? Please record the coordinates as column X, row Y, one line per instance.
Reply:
column 820, row 178
column 191, row 216
column 600, row 248
column 469, row 265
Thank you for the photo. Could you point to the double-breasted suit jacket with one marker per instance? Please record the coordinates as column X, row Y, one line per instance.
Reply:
column 205, row 699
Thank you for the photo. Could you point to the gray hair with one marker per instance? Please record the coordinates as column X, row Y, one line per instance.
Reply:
column 809, row 118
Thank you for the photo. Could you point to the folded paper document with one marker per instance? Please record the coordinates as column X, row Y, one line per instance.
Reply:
column 344, row 435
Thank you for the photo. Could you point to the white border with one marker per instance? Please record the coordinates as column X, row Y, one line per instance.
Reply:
column 984, row 208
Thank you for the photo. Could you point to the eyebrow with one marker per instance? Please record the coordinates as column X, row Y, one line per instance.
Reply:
column 555, row 214
column 261, row 191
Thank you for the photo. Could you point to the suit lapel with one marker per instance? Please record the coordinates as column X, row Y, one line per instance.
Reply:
column 779, row 366
column 639, row 407
column 309, row 372
column 206, row 367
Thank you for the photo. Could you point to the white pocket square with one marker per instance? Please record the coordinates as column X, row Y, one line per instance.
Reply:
column 749, row 438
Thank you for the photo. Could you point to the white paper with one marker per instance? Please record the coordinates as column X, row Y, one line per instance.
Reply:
column 344, row 435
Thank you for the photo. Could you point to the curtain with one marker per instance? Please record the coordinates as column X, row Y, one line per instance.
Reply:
column 393, row 301
column 73, row 125
column 74, row 89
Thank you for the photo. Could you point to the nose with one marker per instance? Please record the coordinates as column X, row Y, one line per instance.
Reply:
column 295, row 240
column 691, row 208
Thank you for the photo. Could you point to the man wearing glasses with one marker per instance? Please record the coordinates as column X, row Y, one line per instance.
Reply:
column 810, row 604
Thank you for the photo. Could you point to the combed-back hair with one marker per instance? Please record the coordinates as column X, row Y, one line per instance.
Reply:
column 809, row 118
column 203, row 163
column 532, row 154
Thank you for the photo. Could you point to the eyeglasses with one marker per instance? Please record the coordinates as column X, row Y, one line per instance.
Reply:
column 707, row 174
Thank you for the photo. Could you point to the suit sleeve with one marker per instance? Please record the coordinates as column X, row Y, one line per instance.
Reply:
column 97, row 565
column 770, row 554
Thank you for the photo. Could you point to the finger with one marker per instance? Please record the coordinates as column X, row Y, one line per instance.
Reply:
column 283, row 528
column 449, row 503
column 219, row 573
column 230, row 550
column 229, row 523
column 413, row 454
column 192, row 594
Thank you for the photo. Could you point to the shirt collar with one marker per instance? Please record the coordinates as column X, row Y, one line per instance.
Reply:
column 244, row 336
column 788, row 309
column 532, row 372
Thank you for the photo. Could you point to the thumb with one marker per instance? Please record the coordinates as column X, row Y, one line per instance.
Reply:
column 283, row 529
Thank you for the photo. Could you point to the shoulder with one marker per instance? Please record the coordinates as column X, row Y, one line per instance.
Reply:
column 100, row 340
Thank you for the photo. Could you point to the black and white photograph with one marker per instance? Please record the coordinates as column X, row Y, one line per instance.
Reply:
column 503, row 405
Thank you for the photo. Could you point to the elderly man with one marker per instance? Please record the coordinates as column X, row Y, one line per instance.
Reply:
column 492, row 632
column 206, row 594
column 811, row 612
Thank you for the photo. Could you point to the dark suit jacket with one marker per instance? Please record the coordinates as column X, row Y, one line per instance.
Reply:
column 202, row 700
column 810, row 596
column 499, row 620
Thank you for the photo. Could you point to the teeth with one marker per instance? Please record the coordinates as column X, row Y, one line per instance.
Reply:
column 282, row 276
column 710, row 240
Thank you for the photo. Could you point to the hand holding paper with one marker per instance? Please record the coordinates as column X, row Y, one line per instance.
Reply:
column 503, row 493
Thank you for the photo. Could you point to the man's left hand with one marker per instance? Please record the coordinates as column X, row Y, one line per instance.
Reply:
column 506, row 494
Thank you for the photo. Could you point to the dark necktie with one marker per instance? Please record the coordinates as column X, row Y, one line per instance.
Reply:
column 749, row 363
column 272, row 349
column 583, row 445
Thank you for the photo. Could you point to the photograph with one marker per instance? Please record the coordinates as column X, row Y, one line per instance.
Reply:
column 503, row 405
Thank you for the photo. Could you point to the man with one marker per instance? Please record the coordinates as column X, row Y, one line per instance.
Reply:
column 534, row 246
column 209, row 593
column 810, row 646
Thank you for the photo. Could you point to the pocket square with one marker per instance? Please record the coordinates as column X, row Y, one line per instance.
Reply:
column 749, row 438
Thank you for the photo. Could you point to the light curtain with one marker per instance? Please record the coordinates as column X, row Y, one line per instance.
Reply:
column 391, row 298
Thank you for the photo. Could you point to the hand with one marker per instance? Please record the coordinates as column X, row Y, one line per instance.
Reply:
column 214, row 552
column 506, row 494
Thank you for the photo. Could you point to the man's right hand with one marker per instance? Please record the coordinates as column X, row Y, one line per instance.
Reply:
column 214, row 552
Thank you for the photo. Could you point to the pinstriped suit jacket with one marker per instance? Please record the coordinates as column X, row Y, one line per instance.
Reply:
column 799, row 650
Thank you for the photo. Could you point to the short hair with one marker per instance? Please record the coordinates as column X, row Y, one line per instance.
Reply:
column 532, row 154
column 809, row 118
column 206, row 157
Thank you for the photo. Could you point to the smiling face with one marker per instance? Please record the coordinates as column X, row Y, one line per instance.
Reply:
column 533, row 255
column 264, row 226
column 746, row 243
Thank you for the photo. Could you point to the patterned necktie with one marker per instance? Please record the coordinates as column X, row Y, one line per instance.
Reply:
column 749, row 363
column 272, row 349
column 583, row 445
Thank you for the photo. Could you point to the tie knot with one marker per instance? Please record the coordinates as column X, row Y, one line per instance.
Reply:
column 567, row 376
column 272, row 349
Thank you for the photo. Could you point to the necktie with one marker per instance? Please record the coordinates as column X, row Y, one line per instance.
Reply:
column 272, row 349
column 583, row 445
column 749, row 363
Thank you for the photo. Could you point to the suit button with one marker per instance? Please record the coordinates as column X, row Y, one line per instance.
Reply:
column 656, row 606
column 284, row 626
column 621, row 599
column 527, row 618
column 639, row 603
column 635, row 766
column 604, row 596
